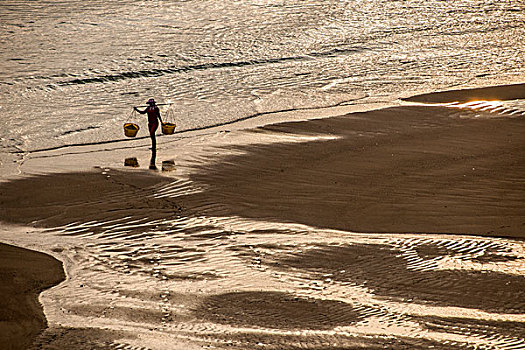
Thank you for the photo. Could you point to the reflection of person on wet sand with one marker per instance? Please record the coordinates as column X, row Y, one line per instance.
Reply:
column 153, row 123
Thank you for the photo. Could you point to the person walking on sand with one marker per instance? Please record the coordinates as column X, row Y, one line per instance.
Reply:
column 153, row 123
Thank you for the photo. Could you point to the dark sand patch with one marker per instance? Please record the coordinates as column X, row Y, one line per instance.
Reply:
column 54, row 200
column 507, row 92
column 276, row 310
column 386, row 273
column 23, row 275
column 401, row 170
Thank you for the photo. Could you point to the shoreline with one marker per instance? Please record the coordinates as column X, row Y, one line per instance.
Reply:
column 489, row 93
column 379, row 136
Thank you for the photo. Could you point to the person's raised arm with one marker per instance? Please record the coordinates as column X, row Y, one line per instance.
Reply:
column 138, row 110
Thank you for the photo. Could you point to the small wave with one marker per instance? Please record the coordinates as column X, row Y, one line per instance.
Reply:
column 147, row 73
column 79, row 130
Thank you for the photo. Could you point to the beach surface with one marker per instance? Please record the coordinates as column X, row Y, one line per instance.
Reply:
column 399, row 227
column 24, row 274
column 402, row 169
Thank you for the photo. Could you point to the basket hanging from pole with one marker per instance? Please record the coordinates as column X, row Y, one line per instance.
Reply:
column 131, row 129
column 168, row 128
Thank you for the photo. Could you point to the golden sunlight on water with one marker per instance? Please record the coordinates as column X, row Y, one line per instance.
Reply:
column 498, row 107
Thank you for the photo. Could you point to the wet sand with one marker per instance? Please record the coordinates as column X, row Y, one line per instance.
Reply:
column 60, row 199
column 345, row 238
column 491, row 93
column 24, row 274
column 410, row 169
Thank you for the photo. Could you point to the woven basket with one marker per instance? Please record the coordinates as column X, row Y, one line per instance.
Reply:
column 131, row 129
column 168, row 128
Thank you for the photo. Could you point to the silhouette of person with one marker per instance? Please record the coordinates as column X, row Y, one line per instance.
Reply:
column 153, row 123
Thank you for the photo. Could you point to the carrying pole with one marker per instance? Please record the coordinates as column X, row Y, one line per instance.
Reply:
column 156, row 104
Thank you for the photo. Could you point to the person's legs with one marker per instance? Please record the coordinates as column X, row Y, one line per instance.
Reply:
column 153, row 151
column 152, row 129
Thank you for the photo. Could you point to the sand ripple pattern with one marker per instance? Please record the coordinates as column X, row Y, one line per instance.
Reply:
column 157, row 262
column 515, row 108
column 236, row 283
column 226, row 281
column 164, row 262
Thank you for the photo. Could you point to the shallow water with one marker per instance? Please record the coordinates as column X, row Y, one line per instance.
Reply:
column 70, row 71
